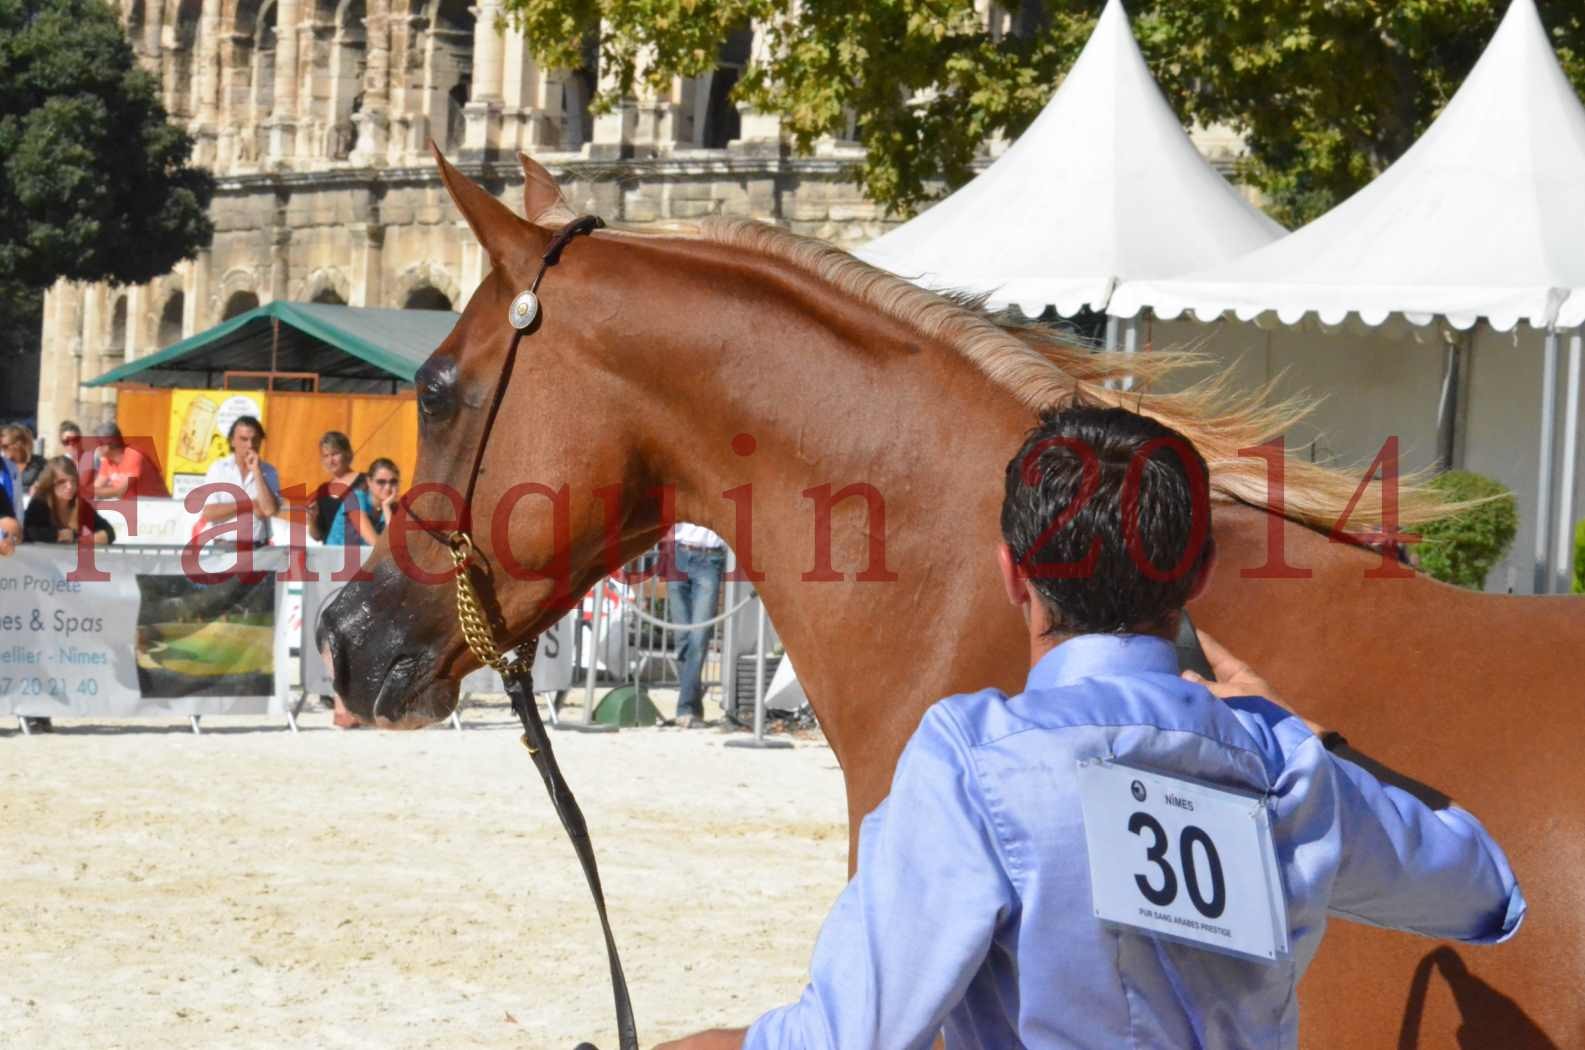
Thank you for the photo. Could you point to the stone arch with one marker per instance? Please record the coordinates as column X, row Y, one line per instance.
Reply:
column 171, row 318
column 347, row 66
column 427, row 297
column 136, row 27
column 239, row 302
column 178, row 61
column 249, row 70
column 427, row 275
column 239, row 280
column 116, row 345
column 327, row 284
column 721, row 123
column 446, row 40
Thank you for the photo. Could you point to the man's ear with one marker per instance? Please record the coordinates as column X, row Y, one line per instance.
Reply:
column 1013, row 579
column 1207, row 566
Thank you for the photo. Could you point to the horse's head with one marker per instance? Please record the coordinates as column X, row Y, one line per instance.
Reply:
column 557, row 495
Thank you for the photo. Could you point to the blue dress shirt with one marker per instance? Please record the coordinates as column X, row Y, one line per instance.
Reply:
column 971, row 907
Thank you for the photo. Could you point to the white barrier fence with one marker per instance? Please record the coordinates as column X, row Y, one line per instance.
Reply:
column 146, row 635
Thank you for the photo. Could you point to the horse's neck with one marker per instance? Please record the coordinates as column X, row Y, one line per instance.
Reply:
column 923, row 436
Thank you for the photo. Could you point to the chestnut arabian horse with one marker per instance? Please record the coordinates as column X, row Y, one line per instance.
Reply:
column 847, row 432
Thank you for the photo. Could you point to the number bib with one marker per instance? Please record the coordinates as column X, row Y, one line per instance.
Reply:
column 1183, row 860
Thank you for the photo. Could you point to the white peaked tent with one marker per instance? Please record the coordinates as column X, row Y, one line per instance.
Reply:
column 1482, row 219
column 1103, row 186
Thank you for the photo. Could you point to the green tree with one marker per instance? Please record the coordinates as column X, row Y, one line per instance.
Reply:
column 1579, row 559
column 1326, row 92
column 1462, row 549
column 95, row 183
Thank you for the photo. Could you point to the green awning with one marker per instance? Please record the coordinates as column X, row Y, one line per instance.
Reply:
column 347, row 345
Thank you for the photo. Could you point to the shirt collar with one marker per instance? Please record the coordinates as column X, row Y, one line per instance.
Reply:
column 1092, row 654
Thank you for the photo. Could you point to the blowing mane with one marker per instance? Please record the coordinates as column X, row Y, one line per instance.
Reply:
column 1041, row 370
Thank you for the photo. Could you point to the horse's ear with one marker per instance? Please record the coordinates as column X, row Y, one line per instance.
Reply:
column 542, row 200
column 491, row 221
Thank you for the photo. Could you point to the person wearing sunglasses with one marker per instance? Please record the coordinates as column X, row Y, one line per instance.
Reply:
column 71, row 439
column 19, row 445
column 365, row 512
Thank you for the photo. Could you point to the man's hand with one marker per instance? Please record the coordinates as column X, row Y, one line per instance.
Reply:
column 1236, row 678
column 248, row 460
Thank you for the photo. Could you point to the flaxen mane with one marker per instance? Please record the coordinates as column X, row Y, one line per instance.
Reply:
column 1041, row 370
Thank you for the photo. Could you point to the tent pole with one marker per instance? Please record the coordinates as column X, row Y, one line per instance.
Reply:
column 1543, row 496
column 1448, row 417
column 1130, row 345
column 1563, row 564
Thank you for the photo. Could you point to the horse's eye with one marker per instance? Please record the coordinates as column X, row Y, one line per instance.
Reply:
column 436, row 382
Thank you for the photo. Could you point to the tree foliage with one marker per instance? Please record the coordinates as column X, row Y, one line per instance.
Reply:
column 1326, row 92
column 1579, row 559
column 1462, row 549
column 95, row 183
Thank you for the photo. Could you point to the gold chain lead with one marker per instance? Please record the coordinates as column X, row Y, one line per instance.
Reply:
column 475, row 626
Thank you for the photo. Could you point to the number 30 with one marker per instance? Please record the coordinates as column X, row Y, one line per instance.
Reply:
column 1156, row 853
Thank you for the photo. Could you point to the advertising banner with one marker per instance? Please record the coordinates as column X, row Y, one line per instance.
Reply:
column 200, row 420
column 152, row 639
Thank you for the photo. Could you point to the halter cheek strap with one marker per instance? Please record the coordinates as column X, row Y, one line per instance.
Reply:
column 516, row 668
column 521, row 315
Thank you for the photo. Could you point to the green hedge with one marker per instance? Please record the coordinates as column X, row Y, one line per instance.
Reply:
column 1579, row 558
column 1462, row 549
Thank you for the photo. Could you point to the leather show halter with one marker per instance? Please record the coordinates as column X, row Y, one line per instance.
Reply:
column 515, row 668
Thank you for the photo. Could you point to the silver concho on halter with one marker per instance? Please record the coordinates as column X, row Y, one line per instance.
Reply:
column 523, row 310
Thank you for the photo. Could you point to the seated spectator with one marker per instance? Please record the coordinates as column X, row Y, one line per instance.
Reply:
column 71, row 439
column 242, row 486
column 365, row 511
column 20, row 449
column 121, row 472
column 12, row 460
column 10, row 535
column 56, row 514
column 335, row 455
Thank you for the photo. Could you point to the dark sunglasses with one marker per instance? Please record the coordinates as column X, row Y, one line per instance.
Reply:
column 384, row 481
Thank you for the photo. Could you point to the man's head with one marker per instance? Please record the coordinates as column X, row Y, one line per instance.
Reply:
column 71, row 436
column 110, row 439
column 1106, row 523
column 10, row 536
column 246, row 435
column 16, row 443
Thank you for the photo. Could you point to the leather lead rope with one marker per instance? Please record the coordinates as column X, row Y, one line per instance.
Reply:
column 517, row 670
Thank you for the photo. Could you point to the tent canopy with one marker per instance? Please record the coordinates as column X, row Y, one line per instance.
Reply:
column 1104, row 186
column 350, row 348
column 1481, row 218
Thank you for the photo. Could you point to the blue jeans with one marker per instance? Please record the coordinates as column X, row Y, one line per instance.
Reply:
column 691, row 598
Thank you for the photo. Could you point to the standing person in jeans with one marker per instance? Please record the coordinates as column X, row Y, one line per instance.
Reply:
column 698, row 556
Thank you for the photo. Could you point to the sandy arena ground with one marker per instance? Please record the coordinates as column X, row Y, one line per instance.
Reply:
column 253, row 889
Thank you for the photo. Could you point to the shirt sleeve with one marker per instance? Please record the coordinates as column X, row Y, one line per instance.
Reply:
column 914, row 925
column 212, row 477
column 1407, row 866
column 271, row 479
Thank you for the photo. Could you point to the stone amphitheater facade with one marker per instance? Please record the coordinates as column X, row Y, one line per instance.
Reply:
column 315, row 116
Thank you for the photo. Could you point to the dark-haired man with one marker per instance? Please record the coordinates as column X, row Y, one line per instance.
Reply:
column 1115, row 857
column 243, row 486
